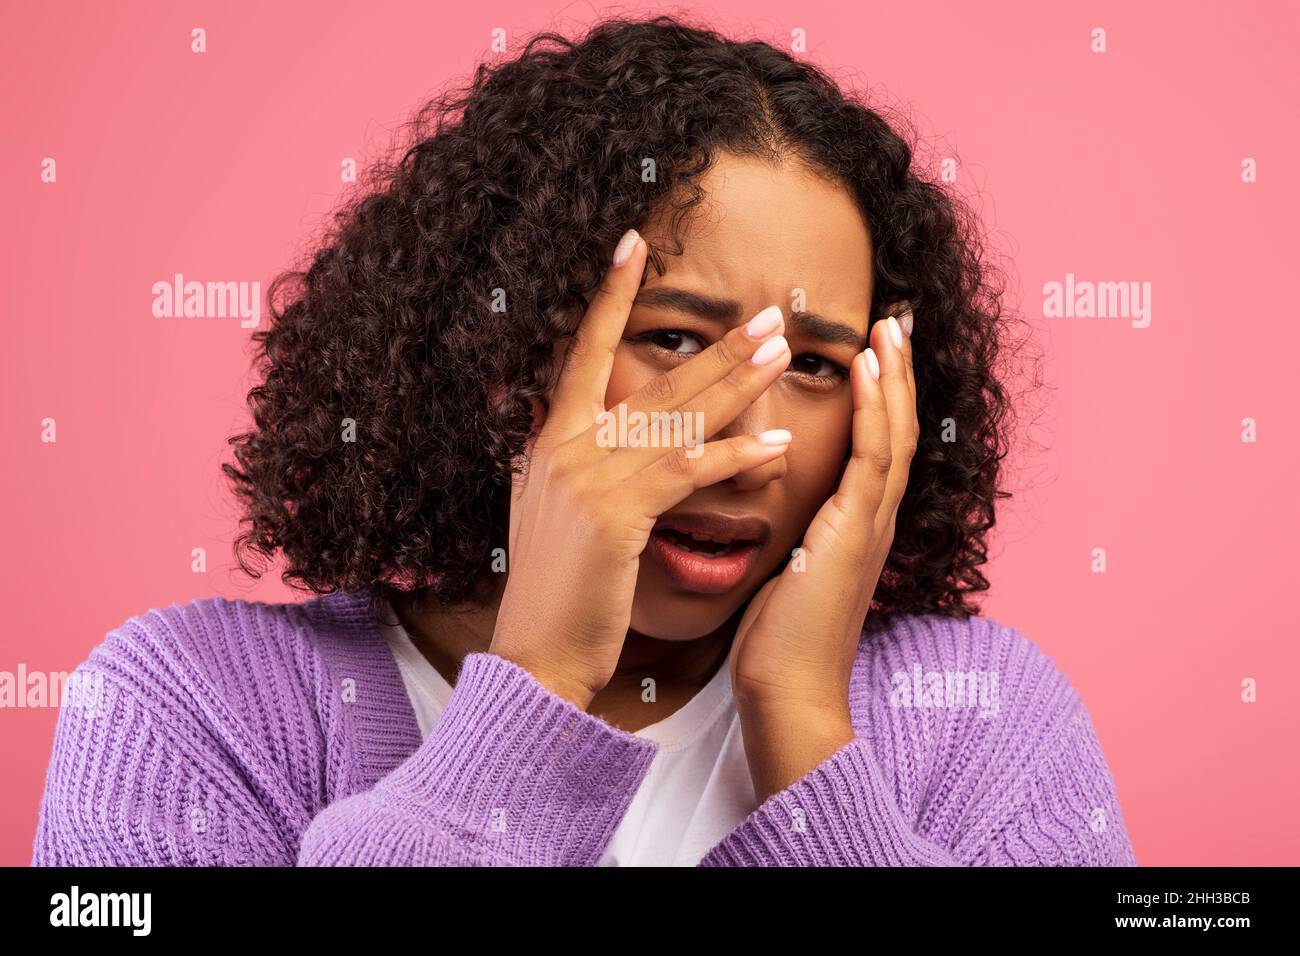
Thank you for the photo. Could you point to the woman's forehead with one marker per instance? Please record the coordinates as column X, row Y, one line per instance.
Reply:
column 770, row 233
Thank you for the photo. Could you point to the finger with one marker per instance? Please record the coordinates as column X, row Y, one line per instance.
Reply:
column 675, row 476
column 903, row 312
column 700, row 397
column 579, row 395
column 866, row 474
column 901, row 409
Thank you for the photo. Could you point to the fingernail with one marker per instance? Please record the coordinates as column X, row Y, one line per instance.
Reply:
column 895, row 332
column 776, row 436
column 770, row 351
column 905, row 320
column 873, row 364
column 623, row 251
column 764, row 323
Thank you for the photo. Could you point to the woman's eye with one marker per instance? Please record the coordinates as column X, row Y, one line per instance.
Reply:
column 815, row 366
column 673, row 340
column 812, row 368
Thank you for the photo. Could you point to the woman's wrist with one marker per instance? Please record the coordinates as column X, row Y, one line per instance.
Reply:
column 783, row 744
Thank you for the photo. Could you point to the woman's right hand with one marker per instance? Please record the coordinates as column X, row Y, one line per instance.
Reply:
column 582, row 514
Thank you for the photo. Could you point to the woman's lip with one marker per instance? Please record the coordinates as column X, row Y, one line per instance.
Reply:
column 696, row 572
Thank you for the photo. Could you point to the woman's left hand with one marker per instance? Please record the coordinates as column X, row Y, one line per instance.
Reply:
column 794, row 649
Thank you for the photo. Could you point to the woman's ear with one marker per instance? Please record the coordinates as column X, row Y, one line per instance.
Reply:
column 539, row 414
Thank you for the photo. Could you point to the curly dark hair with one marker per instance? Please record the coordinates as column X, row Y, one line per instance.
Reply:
column 516, row 189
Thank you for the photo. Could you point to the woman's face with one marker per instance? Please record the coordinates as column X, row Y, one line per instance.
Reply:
column 764, row 236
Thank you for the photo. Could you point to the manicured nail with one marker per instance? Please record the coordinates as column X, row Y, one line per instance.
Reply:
column 905, row 320
column 623, row 251
column 765, row 323
column 873, row 364
column 777, row 436
column 770, row 351
column 895, row 332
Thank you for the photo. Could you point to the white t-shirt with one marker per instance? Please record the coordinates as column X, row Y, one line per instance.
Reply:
column 698, row 787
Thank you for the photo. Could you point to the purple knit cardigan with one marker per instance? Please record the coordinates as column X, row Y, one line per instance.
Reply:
column 245, row 733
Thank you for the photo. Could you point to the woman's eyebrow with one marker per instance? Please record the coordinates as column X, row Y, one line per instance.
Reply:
column 703, row 306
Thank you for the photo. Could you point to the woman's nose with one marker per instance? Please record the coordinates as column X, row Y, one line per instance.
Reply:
column 757, row 418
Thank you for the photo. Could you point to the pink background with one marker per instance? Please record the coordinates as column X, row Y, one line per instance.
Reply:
column 1123, row 166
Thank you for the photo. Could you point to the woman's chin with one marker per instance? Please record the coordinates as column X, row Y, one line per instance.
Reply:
column 670, row 615
column 661, row 628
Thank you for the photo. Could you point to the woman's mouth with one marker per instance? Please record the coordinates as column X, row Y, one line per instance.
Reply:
column 707, row 554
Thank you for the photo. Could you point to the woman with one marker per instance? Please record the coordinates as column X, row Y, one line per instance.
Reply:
column 630, row 545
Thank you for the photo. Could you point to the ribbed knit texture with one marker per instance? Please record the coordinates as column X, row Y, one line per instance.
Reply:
column 238, row 733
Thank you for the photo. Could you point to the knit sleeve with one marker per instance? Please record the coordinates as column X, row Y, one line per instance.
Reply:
column 131, row 783
column 1069, row 814
column 511, row 775
column 841, row 813
column 1063, row 812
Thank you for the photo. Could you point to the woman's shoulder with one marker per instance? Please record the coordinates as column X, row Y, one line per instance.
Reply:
column 973, row 675
column 222, row 646
column 953, row 639
column 982, row 735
